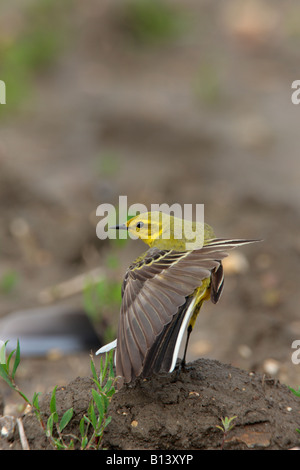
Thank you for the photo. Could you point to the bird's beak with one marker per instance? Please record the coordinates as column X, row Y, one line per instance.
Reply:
column 119, row 227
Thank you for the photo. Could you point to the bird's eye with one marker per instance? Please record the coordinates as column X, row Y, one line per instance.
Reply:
column 139, row 225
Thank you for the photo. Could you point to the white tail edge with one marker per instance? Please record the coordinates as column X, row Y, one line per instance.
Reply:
column 107, row 347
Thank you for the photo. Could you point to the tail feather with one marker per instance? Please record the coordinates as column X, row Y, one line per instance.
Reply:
column 160, row 356
column 229, row 243
column 217, row 283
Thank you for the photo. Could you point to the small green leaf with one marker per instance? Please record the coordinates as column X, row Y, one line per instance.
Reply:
column 229, row 420
column 71, row 445
column 17, row 360
column 50, row 421
column 99, row 403
column 111, row 392
column 2, row 352
column 5, row 376
column 108, row 385
column 53, row 400
column 9, row 359
column 82, row 427
column 35, row 400
column 53, row 405
column 59, row 444
column 107, row 421
column 105, row 400
column 93, row 369
column 66, row 418
column 87, row 419
column 295, row 392
column 101, row 369
column 105, row 367
column 84, row 442
column 226, row 423
column 98, row 384
column 92, row 415
column 111, row 363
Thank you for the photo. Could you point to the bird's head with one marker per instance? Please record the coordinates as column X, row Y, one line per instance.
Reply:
column 163, row 231
column 147, row 226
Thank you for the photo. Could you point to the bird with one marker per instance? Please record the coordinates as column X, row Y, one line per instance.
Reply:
column 163, row 291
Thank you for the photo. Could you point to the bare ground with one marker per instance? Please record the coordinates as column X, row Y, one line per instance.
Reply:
column 181, row 411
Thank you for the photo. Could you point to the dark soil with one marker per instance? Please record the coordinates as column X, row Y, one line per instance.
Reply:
column 182, row 410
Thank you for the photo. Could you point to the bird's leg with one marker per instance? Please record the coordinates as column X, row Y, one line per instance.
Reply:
column 183, row 361
column 182, row 365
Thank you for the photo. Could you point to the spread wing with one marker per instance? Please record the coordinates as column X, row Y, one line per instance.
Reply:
column 154, row 289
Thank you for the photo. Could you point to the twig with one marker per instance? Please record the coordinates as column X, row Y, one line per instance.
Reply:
column 71, row 287
column 23, row 439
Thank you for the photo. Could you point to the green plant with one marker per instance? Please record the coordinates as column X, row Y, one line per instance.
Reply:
column 108, row 164
column 96, row 417
column 297, row 393
column 8, row 281
column 32, row 48
column 100, row 296
column 227, row 425
column 8, row 371
column 92, row 424
column 58, row 441
column 152, row 21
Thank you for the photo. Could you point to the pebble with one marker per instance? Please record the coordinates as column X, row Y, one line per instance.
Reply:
column 271, row 366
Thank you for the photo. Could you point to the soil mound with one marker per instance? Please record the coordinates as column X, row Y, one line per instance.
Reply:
column 182, row 411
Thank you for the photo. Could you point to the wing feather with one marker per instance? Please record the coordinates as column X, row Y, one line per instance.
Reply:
column 153, row 291
column 152, row 307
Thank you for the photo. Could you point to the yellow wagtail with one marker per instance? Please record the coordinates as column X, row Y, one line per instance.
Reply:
column 163, row 291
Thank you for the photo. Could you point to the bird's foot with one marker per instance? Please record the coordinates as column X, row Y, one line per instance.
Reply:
column 182, row 366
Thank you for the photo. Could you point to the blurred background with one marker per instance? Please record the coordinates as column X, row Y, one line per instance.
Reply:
column 163, row 101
